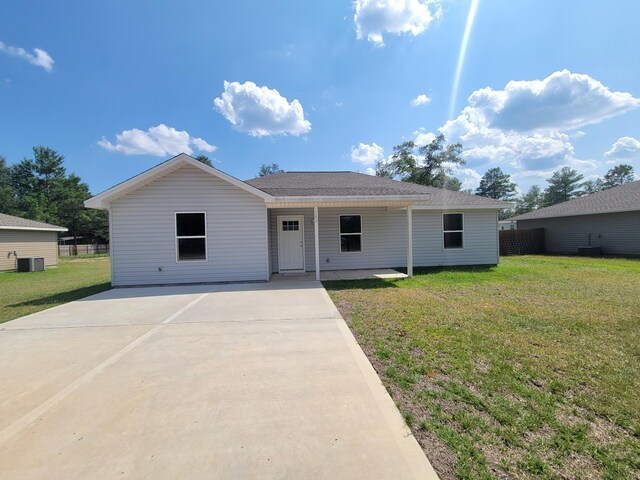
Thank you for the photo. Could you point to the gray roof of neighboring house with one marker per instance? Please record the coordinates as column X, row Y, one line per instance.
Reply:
column 623, row 198
column 352, row 184
column 9, row 222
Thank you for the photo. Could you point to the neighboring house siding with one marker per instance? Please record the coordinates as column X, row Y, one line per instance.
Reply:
column 143, row 231
column 616, row 233
column 27, row 243
column 384, row 238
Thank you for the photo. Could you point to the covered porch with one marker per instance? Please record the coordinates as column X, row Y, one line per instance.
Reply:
column 332, row 240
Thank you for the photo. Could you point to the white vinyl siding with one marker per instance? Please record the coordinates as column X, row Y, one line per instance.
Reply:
column 480, row 239
column 384, row 238
column 143, row 231
column 617, row 233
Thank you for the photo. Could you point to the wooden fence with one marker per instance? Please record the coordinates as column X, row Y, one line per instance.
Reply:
column 521, row 242
column 67, row 250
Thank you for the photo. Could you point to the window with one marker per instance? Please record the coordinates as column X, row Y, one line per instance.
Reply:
column 452, row 226
column 191, row 236
column 290, row 225
column 350, row 233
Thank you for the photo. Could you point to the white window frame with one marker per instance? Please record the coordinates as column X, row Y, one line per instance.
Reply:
column 206, row 242
column 464, row 241
column 340, row 233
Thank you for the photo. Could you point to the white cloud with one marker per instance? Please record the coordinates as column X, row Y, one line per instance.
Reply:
column 260, row 111
column 421, row 99
column 422, row 137
column 374, row 18
column 469, row 177
column 39, row 57
column 625, row 148
column 160, row 141
column 525, row 125
column 370, row 171
column 562, row 101
column 365, row 154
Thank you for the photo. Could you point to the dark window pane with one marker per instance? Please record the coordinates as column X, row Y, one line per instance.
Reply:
column 452, row 221
column 290, row 225
column 190, row 224
column 350, row 243
column 453, row 240
column 192, row 249
column 350, row 224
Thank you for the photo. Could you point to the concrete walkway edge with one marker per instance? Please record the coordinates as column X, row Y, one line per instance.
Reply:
column 409, row 446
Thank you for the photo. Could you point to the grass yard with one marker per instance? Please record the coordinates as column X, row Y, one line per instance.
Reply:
column 530, row 369
column 75, row 277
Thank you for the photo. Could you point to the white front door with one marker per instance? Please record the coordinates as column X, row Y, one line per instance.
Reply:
column 291, row 243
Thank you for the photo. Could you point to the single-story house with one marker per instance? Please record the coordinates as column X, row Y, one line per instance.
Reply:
column 185, row 222
column 20, row 237
column 609, row 219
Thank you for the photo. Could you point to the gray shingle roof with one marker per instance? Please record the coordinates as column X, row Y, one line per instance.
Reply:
column 618, row 199
column 16, row 223
column 351, row 184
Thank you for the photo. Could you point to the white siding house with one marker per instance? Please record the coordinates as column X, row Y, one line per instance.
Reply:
column 185, row 222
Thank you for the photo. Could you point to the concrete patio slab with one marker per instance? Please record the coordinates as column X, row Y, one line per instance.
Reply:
column 340, row 275
column 222, row 382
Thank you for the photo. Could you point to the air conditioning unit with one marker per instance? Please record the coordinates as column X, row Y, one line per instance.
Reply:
column 31, row 264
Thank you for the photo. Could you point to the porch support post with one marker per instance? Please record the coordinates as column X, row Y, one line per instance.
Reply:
column 409, row 241
column 316, row 242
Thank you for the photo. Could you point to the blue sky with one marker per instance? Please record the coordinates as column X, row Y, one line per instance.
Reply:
column 118, row 87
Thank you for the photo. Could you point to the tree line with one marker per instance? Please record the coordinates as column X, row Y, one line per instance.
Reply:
column 433, row 165
column 41, row 189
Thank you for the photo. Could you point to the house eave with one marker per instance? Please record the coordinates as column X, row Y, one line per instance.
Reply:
column 36, row 229
column 582, row 214
column 351, row 198
column 464, row 207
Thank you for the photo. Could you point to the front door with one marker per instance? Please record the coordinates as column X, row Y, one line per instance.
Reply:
column 291, row 243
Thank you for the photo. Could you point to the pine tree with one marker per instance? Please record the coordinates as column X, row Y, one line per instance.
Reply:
column 532, row 200
column 618, row 175
column 496, row 184
column 564, row 185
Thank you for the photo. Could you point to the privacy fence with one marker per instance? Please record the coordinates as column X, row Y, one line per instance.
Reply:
column 521, row 242
column 67, row 250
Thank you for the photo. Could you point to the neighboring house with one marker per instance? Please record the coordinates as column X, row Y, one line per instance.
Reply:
column 507, row 225
column 20, row 237
column 185, row 222
column 609, row 219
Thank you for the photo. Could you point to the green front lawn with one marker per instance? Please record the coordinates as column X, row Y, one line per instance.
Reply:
column 530, row 369
column 75, row 277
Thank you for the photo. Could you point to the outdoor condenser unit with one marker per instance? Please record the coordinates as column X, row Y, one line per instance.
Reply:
column 31, row 264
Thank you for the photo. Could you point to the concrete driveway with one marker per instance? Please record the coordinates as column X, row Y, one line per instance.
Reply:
column 216, row 382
